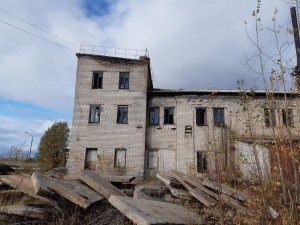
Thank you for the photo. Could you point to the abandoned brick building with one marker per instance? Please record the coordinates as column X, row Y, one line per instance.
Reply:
column 123, row 126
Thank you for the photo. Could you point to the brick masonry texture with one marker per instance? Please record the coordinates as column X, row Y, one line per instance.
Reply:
column 177, row 149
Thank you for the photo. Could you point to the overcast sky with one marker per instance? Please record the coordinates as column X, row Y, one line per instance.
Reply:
column 192, row 45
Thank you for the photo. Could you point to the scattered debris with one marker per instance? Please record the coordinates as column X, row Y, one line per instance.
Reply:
column 99, row 184
column 120, row 179
column 4, row 169
column 75, row 191
column 146, row 212
column 21, row 210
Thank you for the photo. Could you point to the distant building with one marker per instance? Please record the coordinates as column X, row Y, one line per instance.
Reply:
column 124, row 126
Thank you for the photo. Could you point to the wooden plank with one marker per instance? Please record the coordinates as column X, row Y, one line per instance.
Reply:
column 203, row 197
column 168, row 180
column 226, row 190
column 179, row 193
column 120, row 179
column 179, row 176
column 232, row 202
column 198, row 184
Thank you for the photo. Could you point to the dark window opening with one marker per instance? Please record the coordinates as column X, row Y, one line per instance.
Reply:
column 169, row 115
column 270, row 119
column 97, row 80
column 201, row 116
column 202, row 162
column 124, row 81
column 94, row 114
column 219, row 116
column 287, row 117
column 120, row 158
column 122, row 114
column 154, row 116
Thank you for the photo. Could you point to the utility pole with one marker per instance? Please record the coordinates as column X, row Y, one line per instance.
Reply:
column 31, row 141
column 297, row 46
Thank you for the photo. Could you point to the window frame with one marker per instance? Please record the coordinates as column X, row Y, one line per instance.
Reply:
column 287, row 118
column 118, row 114
column 202, row 162
column 149, row 120
column 90, row 113
column 93, row 81
column 120, row 80
column 222, row 123
column 270, row 117
column 115, row 158
column 169, row 119
column 199, row 116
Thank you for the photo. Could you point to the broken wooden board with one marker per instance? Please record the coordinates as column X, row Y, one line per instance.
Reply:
column 40, row 183
column 140, row 195
column 146, row 212
column 179, row 193
column 22, row 210
column 120, row 179
column 198, row 184
column 99, row 184
column 168, row 180
column 179, row 177
column 226, row 190
column 75, row 191
column 24, row 185
column 203, row 197
column 234, row 203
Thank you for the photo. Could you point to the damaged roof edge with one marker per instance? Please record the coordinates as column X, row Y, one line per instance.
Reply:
column 171, row 92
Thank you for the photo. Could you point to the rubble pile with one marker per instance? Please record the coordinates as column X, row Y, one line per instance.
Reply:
column 89, row 188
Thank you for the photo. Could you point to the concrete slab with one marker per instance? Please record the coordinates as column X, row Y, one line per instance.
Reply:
column 179, row 193
column 75, row 191
column 146, row 212
column 168, row 180
column 203, row 197
column 151, row 190
column 120, row 179
column 140, row 195
column 196, row 182
column 22, row 210
column 40, row 183
column 24, row 185
column 179, row 176
column 232, row 202
column 99, row 184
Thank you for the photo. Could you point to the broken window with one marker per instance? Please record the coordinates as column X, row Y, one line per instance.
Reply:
column 202, row 162
column 94, row 114
column 97, row 80
column 219, row 116
column 122, row 114
column 287, row 117
column 90, row 159
column 152, row 162
column 124, row 81
column 169, row 115
column 201, row 116
column 154, row 116
column 270, row 119
column 120, row 158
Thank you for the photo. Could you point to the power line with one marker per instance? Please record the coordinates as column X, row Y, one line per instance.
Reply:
column 39, row 28
column 37, row 36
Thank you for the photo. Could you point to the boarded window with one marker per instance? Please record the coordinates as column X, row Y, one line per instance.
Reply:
column 120, row 158
column 270, row 119
column 97, row 80
column 287, row 117
column 154, row 116
column 124, row 81
column 94, row 114
column 152, row 159
column 90, row 159
column 219, row 116
column 122, row 114
column 169, row 115
column 201, row 116
column 202, row 162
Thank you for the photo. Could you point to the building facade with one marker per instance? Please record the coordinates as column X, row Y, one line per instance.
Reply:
column 124, row 126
